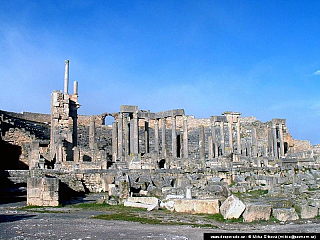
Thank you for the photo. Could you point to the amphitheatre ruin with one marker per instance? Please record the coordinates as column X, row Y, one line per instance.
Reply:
column 161, row 160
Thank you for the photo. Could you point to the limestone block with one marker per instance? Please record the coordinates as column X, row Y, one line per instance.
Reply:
column 33, row 192
column 168, row 205
column 145, row 200
column 136, row 204
column 34, row 202
column 232, row 207
column 50, row 196
column 207, row 206
column 173, row 196
column 285, row 214
column 308, row 211
column 255, row 212
column 52, row 203
column 183, row 206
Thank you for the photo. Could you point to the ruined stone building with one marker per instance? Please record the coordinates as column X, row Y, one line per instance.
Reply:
column 161, row 152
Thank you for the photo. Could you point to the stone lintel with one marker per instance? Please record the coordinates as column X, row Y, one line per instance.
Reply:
column 279, row 121
column 218, row 119
column 128, row 108
column 170, row 113
column 142, row 114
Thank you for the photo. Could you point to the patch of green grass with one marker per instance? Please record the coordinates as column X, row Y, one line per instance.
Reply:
column 273, row 219
column 130, row 217
column 219, row 218
column 312, row 189
column 106, row 206
column 216, row 217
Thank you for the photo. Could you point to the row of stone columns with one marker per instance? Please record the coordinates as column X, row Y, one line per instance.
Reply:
column 125, row 133
column 275, row 139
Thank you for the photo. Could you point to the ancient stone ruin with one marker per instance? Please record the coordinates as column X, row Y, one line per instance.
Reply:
column 162, row 159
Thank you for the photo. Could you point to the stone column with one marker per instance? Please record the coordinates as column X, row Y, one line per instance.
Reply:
column 185, row 138
column 201, row 143
column 238, row 138
column 66, row 77
column 75, row 88
column 163, row 136
column 126, row 136
column 222, row 145
column 274, row 138
column 281, row 140
column 135, row 133
column 92, row 134
column 131, row 136
column 174, row 137
column 254, row 142
column 215, row 152
column 156, row 136
column 210, row 147
column 270, row 142
column 114, row 141
column 120, row 136
column 230, row 136
column 146, row 135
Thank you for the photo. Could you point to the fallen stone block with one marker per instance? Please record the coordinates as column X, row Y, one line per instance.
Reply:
column 145, row 200
column 232, row 207
column 308, row 212
column 285, row 214
column 257, row 212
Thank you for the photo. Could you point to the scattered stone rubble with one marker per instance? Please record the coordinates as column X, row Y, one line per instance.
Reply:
column 162, row 160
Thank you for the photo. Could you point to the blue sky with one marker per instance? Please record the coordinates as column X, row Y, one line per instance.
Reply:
column 260, row 58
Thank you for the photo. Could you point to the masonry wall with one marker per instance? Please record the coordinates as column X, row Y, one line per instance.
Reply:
column 42, row 191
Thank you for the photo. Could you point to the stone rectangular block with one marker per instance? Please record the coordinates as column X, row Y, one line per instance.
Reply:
column 257, row 212
column 285, row 214
column 232, row 207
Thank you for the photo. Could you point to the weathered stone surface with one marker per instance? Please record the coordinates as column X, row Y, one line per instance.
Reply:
column 285, row 214
column 205, row 206
column 255, row 212
column 145, row 200
column 308, row 211
column 43, row 191
column 232, row 207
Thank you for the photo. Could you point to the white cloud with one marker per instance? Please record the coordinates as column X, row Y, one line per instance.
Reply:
column 317, row 72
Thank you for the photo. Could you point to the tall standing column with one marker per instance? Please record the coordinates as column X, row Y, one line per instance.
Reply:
column 274, row 139
column 92, row 134
column 114, row 141
column 201, row 143
column 146, row 134
column 214, row 139
column 156, row 136
column 185, row 138
column 254, row 142
column 210, row 147
column 270, row 142
column 135, row 133
column 163, row 136
column 131, row 136
column 238, row 138
column 230, row 136
column 126, row 136
column 281, row 140
column 66, row 77
column 222, row 145
column 120, row 136
column 174, row 137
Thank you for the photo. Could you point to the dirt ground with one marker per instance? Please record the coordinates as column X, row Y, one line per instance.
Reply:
column 76, row 223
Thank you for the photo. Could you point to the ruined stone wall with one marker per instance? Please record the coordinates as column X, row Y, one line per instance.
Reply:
column 301, row 145
column 42, row 191
column 29, row 116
